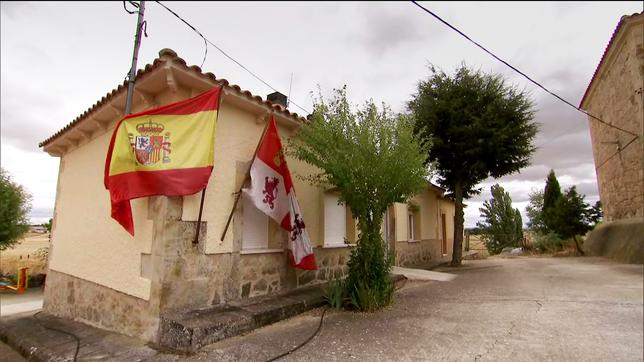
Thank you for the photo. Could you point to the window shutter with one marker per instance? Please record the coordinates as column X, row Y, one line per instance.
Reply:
column 254, row 226
column 335, row 228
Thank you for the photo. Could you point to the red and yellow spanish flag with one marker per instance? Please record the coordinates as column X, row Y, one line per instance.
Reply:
column 163, row 151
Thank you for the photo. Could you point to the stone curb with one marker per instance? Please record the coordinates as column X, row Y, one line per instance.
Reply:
column 180, row 332
column 188, row 331
column 27, row 335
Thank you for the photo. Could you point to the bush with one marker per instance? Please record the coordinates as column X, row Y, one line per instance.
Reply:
column 42, row 254
column 335, row 293
column 370, row 299
column 549, row 242
column 37, row 280
column 368, row 285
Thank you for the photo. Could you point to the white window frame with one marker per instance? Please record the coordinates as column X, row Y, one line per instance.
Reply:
column 410, row 226
column 335, row 221
column 254, row 226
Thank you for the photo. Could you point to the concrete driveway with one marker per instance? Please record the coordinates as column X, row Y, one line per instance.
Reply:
column 520, row 309
column 12, row 303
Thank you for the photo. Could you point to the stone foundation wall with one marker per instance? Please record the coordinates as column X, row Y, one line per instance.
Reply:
column 418, row 253
column 262, row 274
column 271, row 273
column 78, row 299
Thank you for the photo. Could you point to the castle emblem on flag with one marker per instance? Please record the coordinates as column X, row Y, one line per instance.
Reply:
column 270, row 191
column 150, row 146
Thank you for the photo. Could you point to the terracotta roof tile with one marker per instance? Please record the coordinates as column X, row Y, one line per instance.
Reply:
column 610, row 43
column 122, row 88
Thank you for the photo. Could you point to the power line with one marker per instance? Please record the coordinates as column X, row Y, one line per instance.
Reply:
column 520, row 72
column 224, row 53
column 616, row 152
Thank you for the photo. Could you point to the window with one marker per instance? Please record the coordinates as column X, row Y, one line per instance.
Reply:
column 254, row 226
column 335, row 221
column 410, row 226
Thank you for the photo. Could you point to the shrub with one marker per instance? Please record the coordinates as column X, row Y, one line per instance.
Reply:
column 549, row 242
column 368, row 285
column 370, row 299
column 335, row 293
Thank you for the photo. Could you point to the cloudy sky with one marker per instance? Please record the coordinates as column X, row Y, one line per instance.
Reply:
column 59, row 58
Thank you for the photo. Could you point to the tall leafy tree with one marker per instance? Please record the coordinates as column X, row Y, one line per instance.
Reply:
column 551, row 195
column 477, row 127
column 15, row 204
column 518, row 224
column 596, row 213
column 535, row 212
column 373, row 159
column 571, row 216
column 501, row 225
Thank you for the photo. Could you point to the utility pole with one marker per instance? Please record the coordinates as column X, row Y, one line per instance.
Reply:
column 135, row 56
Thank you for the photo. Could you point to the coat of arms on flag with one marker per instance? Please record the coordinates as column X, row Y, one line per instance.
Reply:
column 271, row 191
column 138, row 162
column 149, row 144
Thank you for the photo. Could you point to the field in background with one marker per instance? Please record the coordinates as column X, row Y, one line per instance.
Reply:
column 24, row 255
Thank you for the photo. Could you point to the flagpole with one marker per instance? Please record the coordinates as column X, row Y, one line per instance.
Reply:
column 135, row 56
column 238, row 193
column 203, row 195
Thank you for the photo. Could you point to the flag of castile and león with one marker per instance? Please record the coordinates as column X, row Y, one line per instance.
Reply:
column 272, row 192
column 162, row 151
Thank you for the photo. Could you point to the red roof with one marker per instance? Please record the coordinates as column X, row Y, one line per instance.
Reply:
column 610, row 43
column 122, row 88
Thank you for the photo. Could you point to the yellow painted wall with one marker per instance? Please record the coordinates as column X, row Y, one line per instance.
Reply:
column 86, row 241
column 237, row 135
column 401, row 221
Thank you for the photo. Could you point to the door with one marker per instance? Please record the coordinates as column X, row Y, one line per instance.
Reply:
column 444, row 230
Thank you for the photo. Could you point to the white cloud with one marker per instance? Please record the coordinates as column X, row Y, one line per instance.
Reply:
column 53, row 70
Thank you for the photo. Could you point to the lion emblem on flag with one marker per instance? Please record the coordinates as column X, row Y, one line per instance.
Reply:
column 270, row 191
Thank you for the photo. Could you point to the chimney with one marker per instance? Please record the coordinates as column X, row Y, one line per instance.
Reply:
column 277, row 98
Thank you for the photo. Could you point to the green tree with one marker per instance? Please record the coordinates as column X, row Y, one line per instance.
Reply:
column 373, row 159
column 501, row 226
column 47, row 225
column 518, row 223
column 535, row 212
column 15, row 204
column 551, row 195
column 596, row 213
column 571, row 216
column 477, row 127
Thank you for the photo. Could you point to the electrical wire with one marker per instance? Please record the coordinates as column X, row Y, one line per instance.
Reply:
column 224, row 53
column 61, row 331
column 303, row 343
column 520, row 72
column 615, row 153
column 130, row 11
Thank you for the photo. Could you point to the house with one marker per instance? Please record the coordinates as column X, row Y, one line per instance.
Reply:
column 100, row 275
column 615, row 95
column 39, row 229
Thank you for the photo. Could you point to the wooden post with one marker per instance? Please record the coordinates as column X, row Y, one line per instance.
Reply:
column 203, row 195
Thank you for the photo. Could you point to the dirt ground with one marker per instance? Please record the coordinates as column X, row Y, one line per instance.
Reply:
column 519, row 309
column 24, row 255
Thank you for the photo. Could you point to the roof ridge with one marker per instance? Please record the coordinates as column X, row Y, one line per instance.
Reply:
column 621, row 22
column 164, row 55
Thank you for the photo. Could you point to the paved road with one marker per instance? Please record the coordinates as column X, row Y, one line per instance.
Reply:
column 9, row 355
column 12, row 303
column 521, row 309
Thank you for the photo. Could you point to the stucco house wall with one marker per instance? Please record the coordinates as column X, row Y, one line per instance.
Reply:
column 100, row 275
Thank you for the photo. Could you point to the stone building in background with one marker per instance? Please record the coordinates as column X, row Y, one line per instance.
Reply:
column 100, row 275
column 616, row 96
